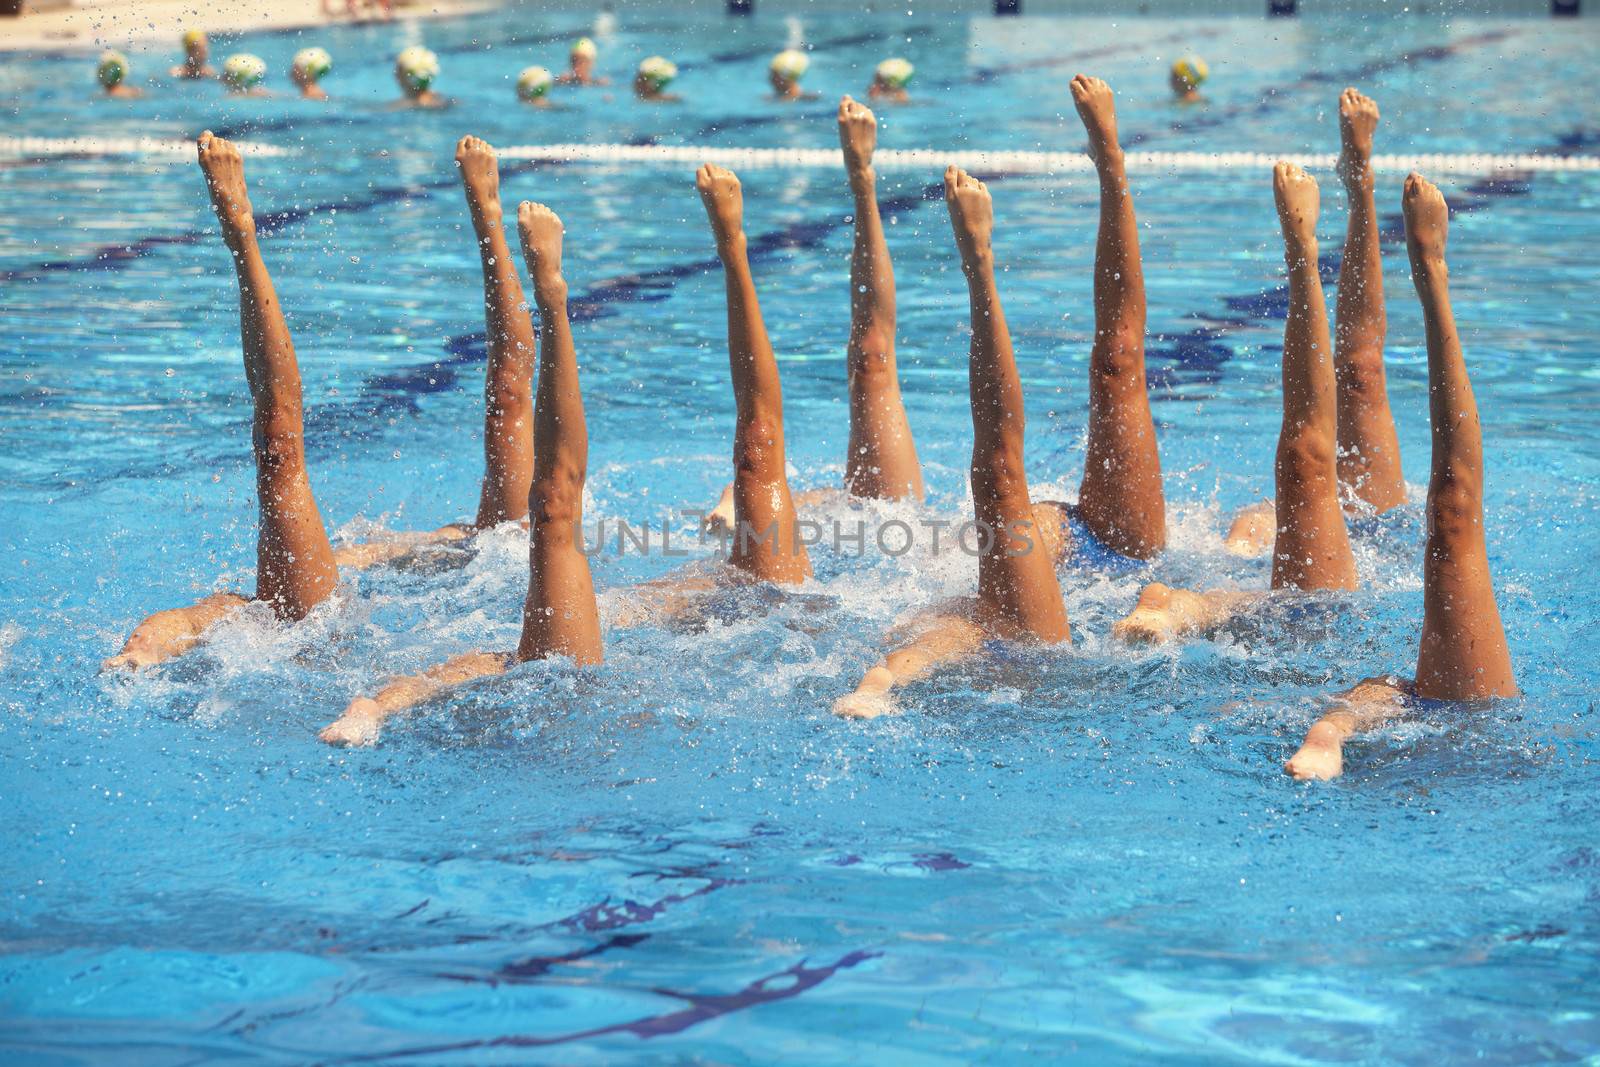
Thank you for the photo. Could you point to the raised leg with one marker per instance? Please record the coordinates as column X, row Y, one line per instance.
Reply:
column 1120, row 499
column 766, row 540
column 294, row 561
column 882, row 460
column 1312, row 550
column 508, row 383
column 560, row 617
column 1369, row 451
column 1463, row 655
column 1018, row 595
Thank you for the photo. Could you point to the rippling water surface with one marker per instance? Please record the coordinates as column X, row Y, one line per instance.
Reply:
column 681, row 856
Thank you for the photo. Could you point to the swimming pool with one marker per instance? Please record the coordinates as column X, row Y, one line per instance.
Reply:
column 683, row 857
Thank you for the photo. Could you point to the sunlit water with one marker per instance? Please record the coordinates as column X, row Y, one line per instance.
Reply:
column 681, row 856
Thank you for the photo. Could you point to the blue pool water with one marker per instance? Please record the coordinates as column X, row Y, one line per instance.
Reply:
column 682, row 857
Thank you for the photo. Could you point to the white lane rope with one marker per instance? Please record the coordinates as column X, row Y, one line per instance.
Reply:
column 926, row 159
column 152, row 147
column 1025, row 162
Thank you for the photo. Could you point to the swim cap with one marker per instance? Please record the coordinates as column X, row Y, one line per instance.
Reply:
column 417, row 67
column 895, row 73
column 1191, row 70
column 243, row 70
column 113, row 68
column 790, row 64
column 192, row 38
column 583, row 46
column 312, row 64
column 533, row 83
column 657, row 72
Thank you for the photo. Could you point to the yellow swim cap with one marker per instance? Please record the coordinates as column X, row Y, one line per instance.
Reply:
column 791, row 64
column 191, row 38
column 1191, row 70
column 583, row 46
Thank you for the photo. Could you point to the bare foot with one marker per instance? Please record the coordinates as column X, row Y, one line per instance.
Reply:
column 224, row 171
column 1298, row 204
column 870, row 699
column 1427, row 221
column 1164, row 613
column 1150, row 621
column 541, row 234
column 971, row 215
column 480, row 175
column 1098, row 110
column 1254, row 530
column 359, row 725
column 858, row 134
column 720, row 518
column 724, row 200
column 1321, row 755
column 132, row 658
column 1358, row 117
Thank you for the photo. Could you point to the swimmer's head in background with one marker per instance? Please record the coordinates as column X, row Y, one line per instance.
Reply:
column 583, row 48
column 415, row 69
column 787, row 68
column 113, row 69
column 656, row 73
column 533, row 83
column 310, row 65
column 242, row 71
column 894, row 73
column 195, row 43
column 1188, row 73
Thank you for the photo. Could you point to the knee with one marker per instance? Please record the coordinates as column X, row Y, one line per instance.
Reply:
column 555, row 501
column 1454, row 508
column 278, row 444
column 1304, row 455
column 872, row 353
column 756, row 441
column 1119, row 352
column 1001, row 471
column 508, row 395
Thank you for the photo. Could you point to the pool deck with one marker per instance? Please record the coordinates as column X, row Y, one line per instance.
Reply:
column 95, row 24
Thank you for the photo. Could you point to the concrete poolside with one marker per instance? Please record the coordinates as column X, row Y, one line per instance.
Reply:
column 94, row 24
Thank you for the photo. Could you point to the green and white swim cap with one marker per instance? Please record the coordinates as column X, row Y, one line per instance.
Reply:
column 243, row 70
column 584, row 46
column 113, row 68
column 534, row 82
column 312, row 64
column 895, row 73
column 417, row 67
column 657, row 72
column 791, row 64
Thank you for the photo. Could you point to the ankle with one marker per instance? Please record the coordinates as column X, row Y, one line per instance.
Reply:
column 487, row 221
